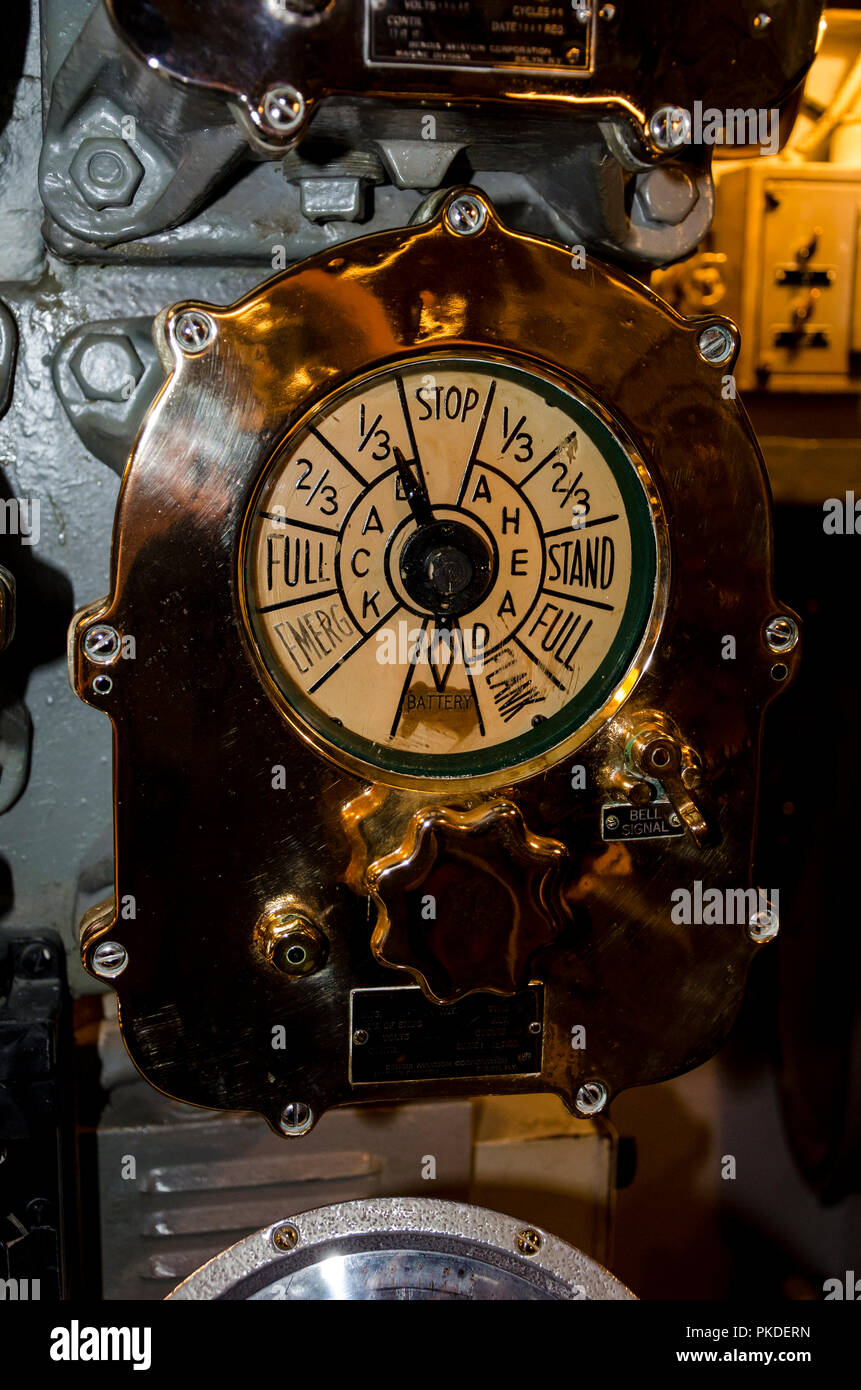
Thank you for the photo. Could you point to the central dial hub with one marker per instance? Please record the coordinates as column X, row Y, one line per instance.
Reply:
column 446, row 567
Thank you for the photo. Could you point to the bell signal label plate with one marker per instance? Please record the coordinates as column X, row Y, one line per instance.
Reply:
column 657, row 821
column 397, row 1034
column 484, row 34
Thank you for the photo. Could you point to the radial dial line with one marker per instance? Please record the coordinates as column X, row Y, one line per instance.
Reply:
column 411, row 434
column 298, row 521
column 470, row 681
column 476, row 443
column 292, row 602
column 557, row 448
column 581, row 526
column 408, row 679
column 354, row 472
column 414, row 489
column 577, row 598
column 356, row 646
column 540, row 664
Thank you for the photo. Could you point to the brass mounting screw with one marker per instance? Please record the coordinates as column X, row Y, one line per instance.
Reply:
column 529, row 1241
column 285, row 1237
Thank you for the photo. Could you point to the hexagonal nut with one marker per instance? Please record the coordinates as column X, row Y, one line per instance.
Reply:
column 107, row 172
column 667, row 194
column 106, row 366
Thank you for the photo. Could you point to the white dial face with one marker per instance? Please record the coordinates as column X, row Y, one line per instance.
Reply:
column 450, row 567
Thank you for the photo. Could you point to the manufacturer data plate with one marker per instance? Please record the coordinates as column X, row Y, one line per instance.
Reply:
column 482, row 34
column 397, row 1034
column 658, row 821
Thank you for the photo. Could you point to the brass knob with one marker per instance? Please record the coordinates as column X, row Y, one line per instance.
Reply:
column 468, row 899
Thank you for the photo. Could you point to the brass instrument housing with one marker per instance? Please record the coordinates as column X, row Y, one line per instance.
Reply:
column 206, row 846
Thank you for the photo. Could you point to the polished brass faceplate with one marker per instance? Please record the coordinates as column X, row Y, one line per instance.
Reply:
column 593, row 60
column 238, row 818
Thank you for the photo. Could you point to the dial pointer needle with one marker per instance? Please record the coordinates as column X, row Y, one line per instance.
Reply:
column 415, row 493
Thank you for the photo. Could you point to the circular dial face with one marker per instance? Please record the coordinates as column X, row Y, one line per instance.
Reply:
column 450, row 567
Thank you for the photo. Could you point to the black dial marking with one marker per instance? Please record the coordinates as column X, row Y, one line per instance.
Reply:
column 355, row 647
column 573, row 598
column 476, row 444
column 304, row 525
column 408, row 421
column 339, row 456
column 415, row 489
column 290, row 602
column 514, row 433
column 579, row 641
column 598, row 521
column 457, row 627
column 540, row 664
column 411, row 670
column 547, row 457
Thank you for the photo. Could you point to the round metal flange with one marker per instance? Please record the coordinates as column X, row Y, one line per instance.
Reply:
column 401, row 1248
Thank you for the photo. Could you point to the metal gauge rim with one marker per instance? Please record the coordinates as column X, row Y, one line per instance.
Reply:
column 546, row 1267
column 625, row 462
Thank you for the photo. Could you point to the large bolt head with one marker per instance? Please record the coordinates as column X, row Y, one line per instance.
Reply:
column 106, row 366
column 106, row 172
column 667, row 195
